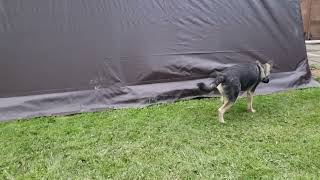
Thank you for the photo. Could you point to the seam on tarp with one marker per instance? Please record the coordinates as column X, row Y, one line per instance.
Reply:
column 186, row 53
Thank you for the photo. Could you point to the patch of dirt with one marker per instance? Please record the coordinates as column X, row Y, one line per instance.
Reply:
column 315, row 70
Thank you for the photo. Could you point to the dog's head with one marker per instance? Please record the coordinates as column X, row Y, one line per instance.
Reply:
column 265, row 71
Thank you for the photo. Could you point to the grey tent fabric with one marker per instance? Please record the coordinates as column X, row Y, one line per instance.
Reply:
column 63, row 57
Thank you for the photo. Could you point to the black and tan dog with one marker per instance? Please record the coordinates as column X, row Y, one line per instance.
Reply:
column 237, row 78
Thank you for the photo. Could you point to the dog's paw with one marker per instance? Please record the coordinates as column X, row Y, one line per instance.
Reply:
column 251, row 110
column 222, row 122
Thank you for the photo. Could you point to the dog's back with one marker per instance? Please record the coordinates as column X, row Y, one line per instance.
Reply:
column 234, row 79
column 245, row 75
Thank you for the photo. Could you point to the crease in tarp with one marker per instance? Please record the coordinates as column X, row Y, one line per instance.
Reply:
column 189, row 53
column 5, row 25
column 98, row 84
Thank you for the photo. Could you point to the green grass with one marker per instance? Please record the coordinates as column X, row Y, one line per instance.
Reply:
column 181, row 140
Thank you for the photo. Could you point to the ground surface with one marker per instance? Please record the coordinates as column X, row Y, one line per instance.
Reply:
column 173, row 141
column 315, row 70
column 313, row 52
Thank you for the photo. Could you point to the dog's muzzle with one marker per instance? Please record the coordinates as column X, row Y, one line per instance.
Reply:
column 265, row 80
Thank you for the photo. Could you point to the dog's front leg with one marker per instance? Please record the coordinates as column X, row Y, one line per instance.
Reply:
column 250, row 99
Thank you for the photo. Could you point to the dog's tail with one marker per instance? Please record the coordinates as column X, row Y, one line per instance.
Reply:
column 213, row 85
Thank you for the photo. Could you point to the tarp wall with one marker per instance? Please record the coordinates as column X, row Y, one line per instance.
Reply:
column 61, row 57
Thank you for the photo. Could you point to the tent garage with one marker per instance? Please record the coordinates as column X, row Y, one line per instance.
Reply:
column 63, row 57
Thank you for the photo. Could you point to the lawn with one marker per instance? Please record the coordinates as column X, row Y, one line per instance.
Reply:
column 182, row 140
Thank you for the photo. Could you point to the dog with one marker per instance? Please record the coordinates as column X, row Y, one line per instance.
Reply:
column 231, row 81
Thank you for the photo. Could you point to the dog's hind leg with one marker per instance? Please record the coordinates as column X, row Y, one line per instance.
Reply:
column 250, row 100
column 220, row 89
column 230, row 95
column 225, row 107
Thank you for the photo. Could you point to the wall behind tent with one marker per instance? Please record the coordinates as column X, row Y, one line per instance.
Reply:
column 311, row 18
column 74, row 56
